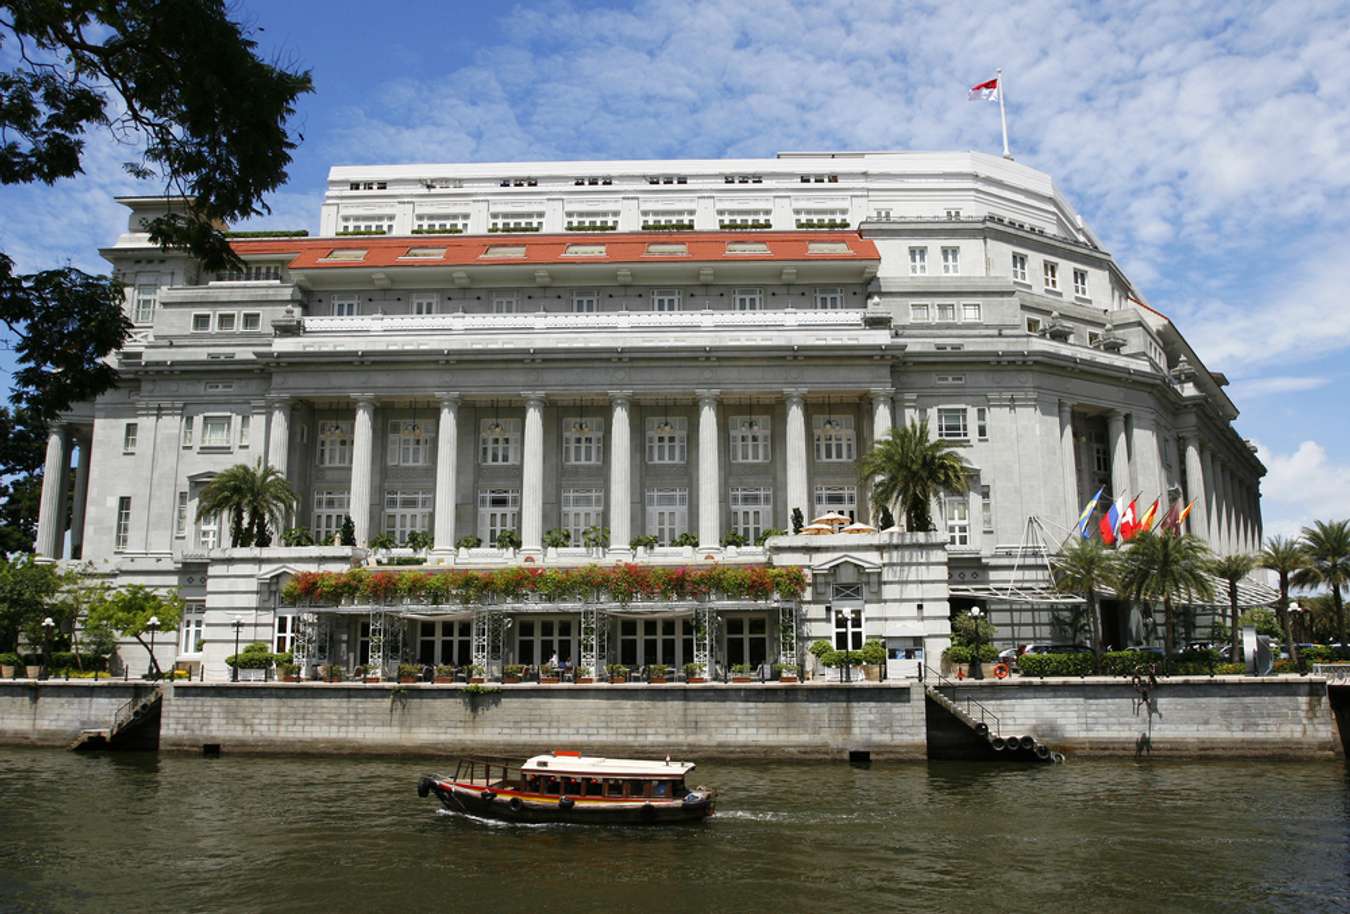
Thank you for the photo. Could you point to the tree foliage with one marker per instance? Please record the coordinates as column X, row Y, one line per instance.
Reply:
column 249, row 496
column 1168, row 568
column 29, row 592
column 128, row 611
column 1286, row 558
column 1232, row 569
column 1083, row 568
column 911, row 470
column 1326, row 547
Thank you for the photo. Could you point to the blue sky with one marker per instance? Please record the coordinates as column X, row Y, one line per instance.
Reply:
column 1206, row 144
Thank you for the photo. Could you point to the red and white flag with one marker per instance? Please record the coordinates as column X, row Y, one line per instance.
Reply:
column 985, row 91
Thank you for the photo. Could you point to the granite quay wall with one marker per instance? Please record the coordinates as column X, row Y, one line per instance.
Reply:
column 52, row 713
column 712, row 720
column 1224, row 715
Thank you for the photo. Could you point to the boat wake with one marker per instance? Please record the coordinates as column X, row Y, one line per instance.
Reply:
column 752, row 816
column 498, row 823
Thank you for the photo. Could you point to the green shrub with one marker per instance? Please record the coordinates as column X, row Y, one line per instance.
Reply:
column 741, row 669
column 732, row 538
column 382, row 541
column 255, row 656
column 508, row 539
column 595, row 537
column 420, row 540
column 1237, row 669
column 468, row 542
column 1127, row 663
column 409, row 669
column 638, row 542
column 960, row 653
column 1056, row 664
column 820, row 648
column 772, row 531
column 297, row 536
column 557, row 538
column 657, row 670
column 686, row 539
column 693, row 669
column 873, row 652
column 1323, row 653
column 9, row 659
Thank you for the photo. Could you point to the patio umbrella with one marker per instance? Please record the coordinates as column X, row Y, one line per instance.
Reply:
column 832, row 519
column 817, row 529
column 860, row 527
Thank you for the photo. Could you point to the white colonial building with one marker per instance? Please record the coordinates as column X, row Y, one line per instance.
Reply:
column 673, row 350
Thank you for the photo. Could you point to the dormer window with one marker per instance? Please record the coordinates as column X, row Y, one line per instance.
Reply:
column 504, row 250
column 345, row 255
column 584, row 250
column 747, row 247
column 667, row 249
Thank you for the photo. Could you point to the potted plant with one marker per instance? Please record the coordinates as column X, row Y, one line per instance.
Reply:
column 733, row 540
column 641, row 545
column 687, row 539
column 290, row 672
column 32, row 665
column 818, row 650
column 445, row 673
column 333, row 672
column 656, row 672
column 8, row 662
column 465, row 543
column 512, row 672
column 873, row 656
column 548, row 674
column 408, row 672
column 476, row 673
column 370, row 673
column 508, row 541
column 693, row 672
column 787, row 672
column 617, row 672
column 382, row 543
column 418, row 540
column 555, row 539
column 740, row 672
column 596, row 539
column 583, row 677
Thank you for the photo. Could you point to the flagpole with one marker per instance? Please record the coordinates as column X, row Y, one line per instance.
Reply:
column 1003, row 113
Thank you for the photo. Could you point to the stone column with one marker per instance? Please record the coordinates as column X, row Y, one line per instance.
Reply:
column 279, row 435
column 882, row 424
column 1068, row 458
column 447, row 449
column 363, row 441
column 81, row 495
column 532, row 476
column 709, row 478
column 1120, row 455
column 1197, row 521
column 51, row 507
column 620, row 470
column 1147, row 468
column 798, row 490
column 1222, row 544
column 1207, row 495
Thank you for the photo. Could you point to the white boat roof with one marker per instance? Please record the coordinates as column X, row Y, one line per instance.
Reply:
column 595, row 766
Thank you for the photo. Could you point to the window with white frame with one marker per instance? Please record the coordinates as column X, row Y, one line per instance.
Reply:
column 919, row 313
column 1051, row 275
column 245, row 425
column 499, row 442
column 951, row 424
column 451, row 223
column 192, row 629
column 971, row 313
column 946, row 313
column 425, row 303
column 667, row 218
column 180, row 516
column 208, row 532
column 147, row 298
column 751, row 510
column 449, row 643
column 744, row 218
column 498, row 511
column 835, row 438
column 253, row 272
column 951, row 261
column 1080, row 284
column 226, row 321
column 201, row 323
column 187, row 431
column 667, row 439
column 367, row 225
column 215, row 431
column 335, row 443
column 583, row 441
column 750, row 437
column 330, row 508
column 829, row 299
column 986, row 510
column 667, row 513
column 918, row 261
column 982, row 423
column 665, row 299
column 1033, row 325
column 250, row 320
column 410, row 442
column 122, row 532
column 582, row 509
column 749, row 299
column 284, row 631
column 407, row 511
column 848, row 621
column 957, row 508
column 129, row 432
column 1019, row 267
column 591, row 220
column 585, row 302
column 842, row 499
column 516, row 222
column 345, row 306
column 504, row 303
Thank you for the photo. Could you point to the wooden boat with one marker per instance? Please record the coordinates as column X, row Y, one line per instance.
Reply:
column 573, row 788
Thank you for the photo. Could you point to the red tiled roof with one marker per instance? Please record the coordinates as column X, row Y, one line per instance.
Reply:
column 466, row 250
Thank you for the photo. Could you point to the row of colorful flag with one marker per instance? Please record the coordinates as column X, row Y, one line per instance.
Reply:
column 1122, row 521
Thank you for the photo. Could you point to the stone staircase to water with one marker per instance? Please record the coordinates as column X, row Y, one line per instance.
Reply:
column 134, row 726
column 962, row 728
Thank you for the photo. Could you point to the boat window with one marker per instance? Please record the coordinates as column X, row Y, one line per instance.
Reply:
column 551, row 785
column 571, row 786
column 613, row 788
column 661, row 789
column 594, row 788
column 637, row 787
column 680, row 789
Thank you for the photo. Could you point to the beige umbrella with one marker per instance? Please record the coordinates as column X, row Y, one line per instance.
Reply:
column 832, row 519
column 817, row 529
column 860, row 527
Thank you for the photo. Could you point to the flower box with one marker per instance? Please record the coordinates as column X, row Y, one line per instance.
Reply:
column 585, row 680
column 696, row 679
column 508, row 679
column 371, row 679
column 657, row 680
column 407, row 680
column 476, row 680
column 549, row 680
column 444, row 679
column 787, row 677
column 616, row 680
column 290, row 677
column 7, row 672
column 32, row 672
column 742, row 679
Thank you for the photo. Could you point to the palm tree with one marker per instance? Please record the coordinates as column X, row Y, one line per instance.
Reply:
column 1167, row 567
column 1233, row 568
column 1082, row 569
column 1327, row 547
column 910, row 470
column 243, row 491
column 1286, row 558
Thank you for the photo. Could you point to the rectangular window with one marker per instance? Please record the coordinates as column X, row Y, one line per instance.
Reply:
column 749, row 299
column 958, row 520
column 843, row 499
column 585, row 302
column 834, row 439
column 918, row 261
column 409, row 443
column 949, row 379
column 180, row 516
column 666, row 300
column 986, row 510
column 201, row 323
column 335, row 444
column 367, row 225
column 751, row 510
column 1019, row 267
column 499, row 442
column 919, row 313
column 946, row 313
column 192, row 629
column 245, row 422
column 951, row 424
column 667, row 514
column 284, row 630
column 498, row 511
column 667, row 439
column 424, row 303
column 345, row 306
column 251, row 321
column 971, row 313
column 226, row 321
column 982, row 423
column 583, row 441
column 122, row 534
column 215, row 431
column 208, row 532
column 1051, row 275
column 951, row 261
column 582, row 509
column 187, row 431
column 750, row 436
column 432, row 223
column 1080, row 286
column 848, row 622
column 407, row 511
column 831, row 299
column 330, row 508
column 1033, row 325
column 147, row 297
column 129, row 438
column 504, row 304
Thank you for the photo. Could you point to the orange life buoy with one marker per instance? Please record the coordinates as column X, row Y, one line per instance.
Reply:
column 1000, row 671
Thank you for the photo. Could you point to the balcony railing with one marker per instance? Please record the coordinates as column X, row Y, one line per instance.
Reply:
column 609, row 320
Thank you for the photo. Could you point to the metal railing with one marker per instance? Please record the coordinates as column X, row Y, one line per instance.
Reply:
column 1332, row 672
column 986, row 716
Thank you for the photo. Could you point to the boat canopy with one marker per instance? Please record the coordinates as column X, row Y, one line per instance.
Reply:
column 596, row 767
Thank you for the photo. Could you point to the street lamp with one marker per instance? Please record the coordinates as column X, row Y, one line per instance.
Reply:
column 976, row 669
column 153, row 625
column 47, row 626
column 238, row 623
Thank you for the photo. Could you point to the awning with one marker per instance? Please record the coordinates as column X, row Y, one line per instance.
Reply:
column 1250, row 594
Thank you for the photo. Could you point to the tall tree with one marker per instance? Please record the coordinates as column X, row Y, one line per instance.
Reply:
column 28, row 592
column 1168, row 568
column 1327, row 547
column 1286, row 558
column 250, row 496
column 128, row 612
column 1082, row 569
column 910, row 470
column 167, row 78
column 1232, row 569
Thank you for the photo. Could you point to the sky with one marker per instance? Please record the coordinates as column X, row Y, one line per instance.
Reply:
column 1205, row 143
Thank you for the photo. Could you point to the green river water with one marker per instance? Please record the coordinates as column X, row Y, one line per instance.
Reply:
column 144, row 832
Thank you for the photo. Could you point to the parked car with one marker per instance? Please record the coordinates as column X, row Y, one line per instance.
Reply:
column 1057, row 649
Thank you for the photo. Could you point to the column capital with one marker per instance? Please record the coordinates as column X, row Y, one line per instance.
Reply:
column 617, row 397
column 447, row 397
column 57, row 426
column 794, row 394
column 364, row 401
column 882, row 393
column 1114, row 413
column 1065, row 408
column 706, row 397
column 279, row 399
column 534, row 399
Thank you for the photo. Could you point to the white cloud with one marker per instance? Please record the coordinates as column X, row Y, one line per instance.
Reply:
column 1302, row 486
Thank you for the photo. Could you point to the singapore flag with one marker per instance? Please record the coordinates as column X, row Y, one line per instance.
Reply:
column 986, row 91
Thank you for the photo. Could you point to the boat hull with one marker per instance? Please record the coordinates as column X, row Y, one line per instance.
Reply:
column 507, row 806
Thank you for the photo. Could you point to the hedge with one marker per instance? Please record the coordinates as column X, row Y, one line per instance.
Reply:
column 960, row 653
column 1056, row 664
column 1127, row 663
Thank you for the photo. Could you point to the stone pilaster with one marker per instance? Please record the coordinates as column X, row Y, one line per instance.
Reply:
column 532, row 476
column 363, row 453
column 798, row 490
column 447, row 450
column 709, row 476
column 620, row 470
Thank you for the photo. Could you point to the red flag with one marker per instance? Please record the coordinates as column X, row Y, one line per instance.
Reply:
column 1146, row 522
column 1172, row 520
column 985, row 91
column 1108, row 534
column 1129, row 523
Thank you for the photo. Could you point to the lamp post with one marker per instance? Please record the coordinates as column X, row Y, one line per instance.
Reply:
column 47, row 626
column 153, row 625
column 976, row 669
column 238, row 623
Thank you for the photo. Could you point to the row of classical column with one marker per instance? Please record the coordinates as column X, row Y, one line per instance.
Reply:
column 62, row 439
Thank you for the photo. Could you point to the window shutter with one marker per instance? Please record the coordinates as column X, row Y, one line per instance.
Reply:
column 392, row 455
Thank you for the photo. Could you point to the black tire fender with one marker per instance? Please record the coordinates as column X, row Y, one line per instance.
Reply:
column 648, row 812
column 516, row 805
column 488, row 795
column 424, row 787
column 566, row 803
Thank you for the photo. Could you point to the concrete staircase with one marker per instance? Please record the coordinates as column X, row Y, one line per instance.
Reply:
column 964, row 729
column 134, row 726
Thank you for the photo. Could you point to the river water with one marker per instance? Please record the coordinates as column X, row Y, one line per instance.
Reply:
column 144, row 832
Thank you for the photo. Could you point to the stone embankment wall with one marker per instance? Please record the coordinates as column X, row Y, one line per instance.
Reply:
column 885, row 719
column 1224, row 715
column 52, row 713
